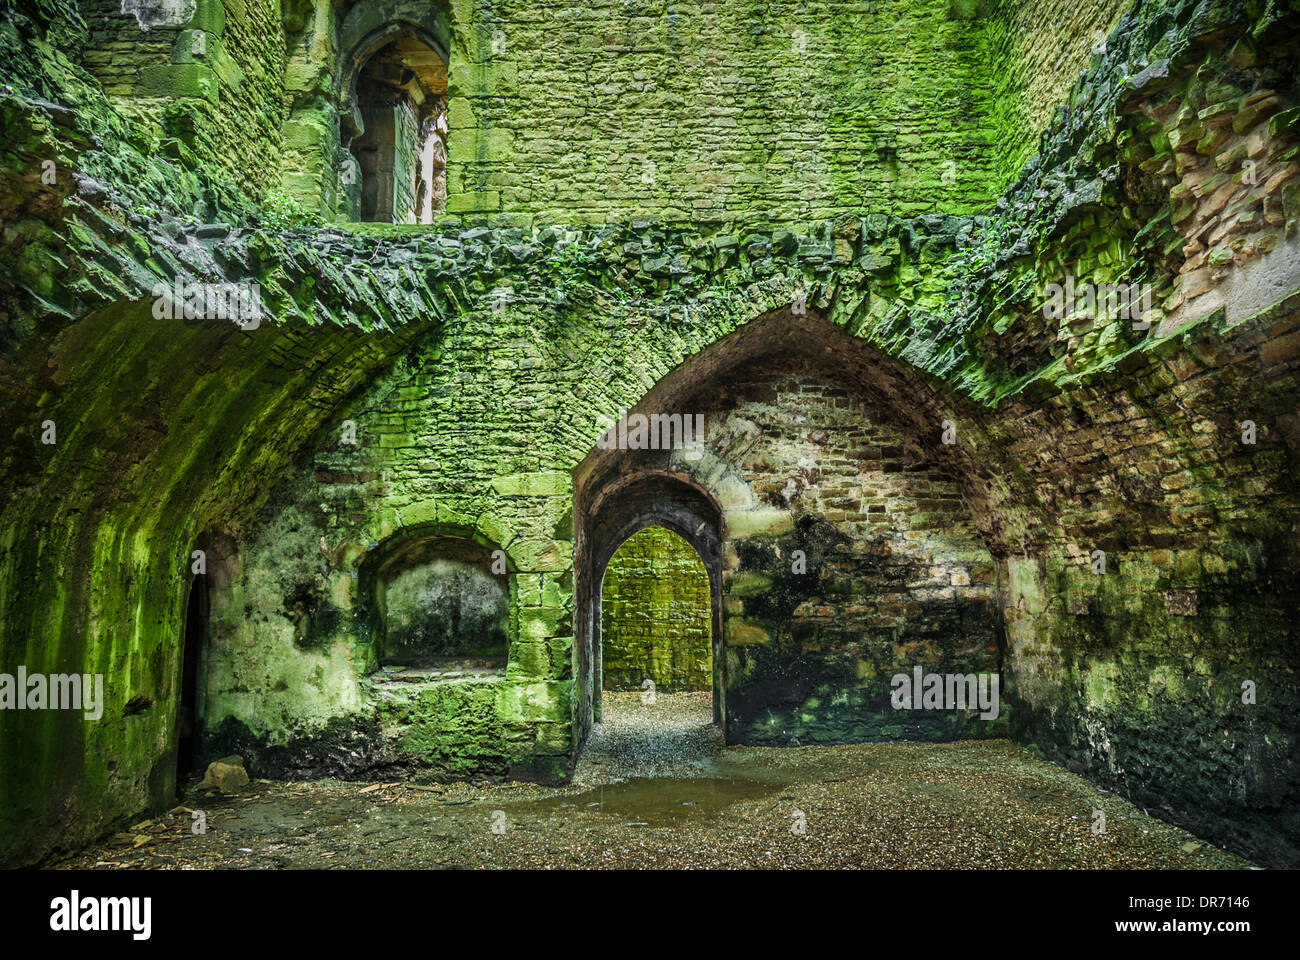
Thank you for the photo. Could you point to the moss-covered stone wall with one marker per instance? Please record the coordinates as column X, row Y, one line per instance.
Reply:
column 711, row 110
column 207, row 77
column 475, row 362
column 1038, row 48
column 706, row 111
column 655, row 618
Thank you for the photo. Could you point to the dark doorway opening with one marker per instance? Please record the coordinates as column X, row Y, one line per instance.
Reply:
column 618, row 494
column 188, row 741
column 657, row 711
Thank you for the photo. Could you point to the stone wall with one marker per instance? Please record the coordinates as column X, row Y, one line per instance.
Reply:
column 475, row 364
column 406, row 163
column 205, row 77
column 1038, row 49
column 490, row 479
column 890, row 572
column 705, row 112
column 1184, row 643
column 655, row 618
column 709, row 109
column 895, row 577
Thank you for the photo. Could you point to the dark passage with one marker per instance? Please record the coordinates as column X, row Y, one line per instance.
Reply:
column 187, row 723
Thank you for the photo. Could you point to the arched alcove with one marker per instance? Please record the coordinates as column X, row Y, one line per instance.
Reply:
column 436, row 597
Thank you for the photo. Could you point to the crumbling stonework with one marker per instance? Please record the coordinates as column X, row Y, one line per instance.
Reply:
column 631, row 227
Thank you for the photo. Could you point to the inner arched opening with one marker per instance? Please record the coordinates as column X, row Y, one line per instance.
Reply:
column 440, row 602
column 656, row 658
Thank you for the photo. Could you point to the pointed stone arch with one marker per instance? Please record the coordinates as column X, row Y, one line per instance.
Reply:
column 700, row 495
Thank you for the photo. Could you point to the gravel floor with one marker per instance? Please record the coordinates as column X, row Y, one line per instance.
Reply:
column 673, row 737
column 656, row 789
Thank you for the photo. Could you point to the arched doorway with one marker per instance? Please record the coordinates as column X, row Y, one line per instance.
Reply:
column 621, row 505
column 655, row 682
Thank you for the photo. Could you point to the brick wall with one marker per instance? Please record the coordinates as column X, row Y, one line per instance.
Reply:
column 702, row 110
column 708, row 109
column 894, row 574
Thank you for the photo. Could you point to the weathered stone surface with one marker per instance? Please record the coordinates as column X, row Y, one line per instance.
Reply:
column 656, row 622
column 226, row 775
column 475, row 360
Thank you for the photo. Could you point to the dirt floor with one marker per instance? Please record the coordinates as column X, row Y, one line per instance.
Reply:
column 656, row 788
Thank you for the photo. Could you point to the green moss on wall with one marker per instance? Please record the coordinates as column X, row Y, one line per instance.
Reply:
column 475, row 358
column 1038, row 50
column 655, row 618
column 710, row 110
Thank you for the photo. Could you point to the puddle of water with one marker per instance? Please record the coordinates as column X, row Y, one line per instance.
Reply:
column 655, row 801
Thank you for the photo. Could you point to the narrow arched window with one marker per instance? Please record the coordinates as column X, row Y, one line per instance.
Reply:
column 395, row 171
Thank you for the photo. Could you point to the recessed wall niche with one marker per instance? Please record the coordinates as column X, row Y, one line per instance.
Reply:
column 440, row 601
